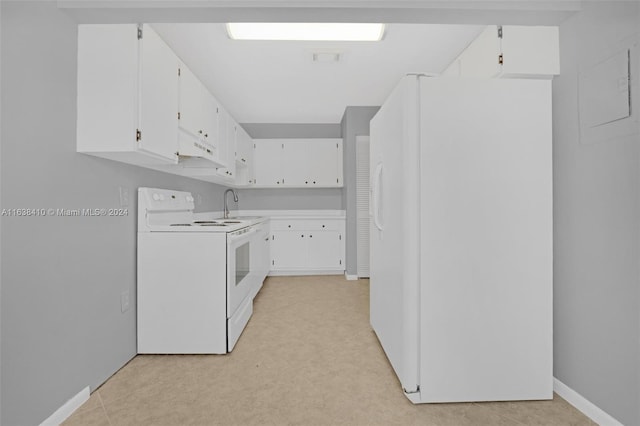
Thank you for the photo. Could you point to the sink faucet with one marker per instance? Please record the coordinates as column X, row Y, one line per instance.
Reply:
column 226, row 207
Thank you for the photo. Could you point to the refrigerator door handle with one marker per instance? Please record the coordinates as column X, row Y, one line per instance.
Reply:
column 377, row 175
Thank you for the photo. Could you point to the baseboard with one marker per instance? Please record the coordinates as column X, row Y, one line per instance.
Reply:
column 588, row 408
column 64, row 412
column 350, row 277
column 305, row 272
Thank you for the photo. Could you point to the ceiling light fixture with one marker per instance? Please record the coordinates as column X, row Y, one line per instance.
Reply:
column 295, row 31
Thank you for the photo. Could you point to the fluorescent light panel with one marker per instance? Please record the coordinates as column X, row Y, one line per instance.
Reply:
column 295, row 31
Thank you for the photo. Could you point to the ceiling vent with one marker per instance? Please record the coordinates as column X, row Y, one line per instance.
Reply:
column 326, row 57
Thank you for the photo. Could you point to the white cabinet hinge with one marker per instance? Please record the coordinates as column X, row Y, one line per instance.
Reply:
column 178, row 72
column 140, row 32
column 340, row 237
column 138, row 135
column 500, row 59
column 178, row 115
column 499, row 31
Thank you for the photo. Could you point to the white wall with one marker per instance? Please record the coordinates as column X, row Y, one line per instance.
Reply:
column 61, row 322
column 597, row 225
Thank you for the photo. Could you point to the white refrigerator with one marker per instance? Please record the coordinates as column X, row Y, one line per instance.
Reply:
column 461, row 238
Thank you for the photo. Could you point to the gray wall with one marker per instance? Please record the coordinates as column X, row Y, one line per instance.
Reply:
column 291, row 199
column 597, row 226
column 62, row 328
column 355, row 122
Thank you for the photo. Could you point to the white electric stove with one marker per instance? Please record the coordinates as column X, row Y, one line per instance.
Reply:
column 196, row 278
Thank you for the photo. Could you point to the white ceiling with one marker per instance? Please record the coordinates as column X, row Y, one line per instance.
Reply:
column 277, row 82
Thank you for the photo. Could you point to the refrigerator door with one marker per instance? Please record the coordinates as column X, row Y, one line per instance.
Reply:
column 394, row 236
column 486, row 230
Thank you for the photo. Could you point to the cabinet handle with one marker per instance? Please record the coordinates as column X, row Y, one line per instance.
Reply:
column 314, row 182
column 266, row 239
column 206, row 135
column 323, row 226
column 306, row 181
column 289, row 226
column 200, row 131
column 302, row 235
column 310, row 236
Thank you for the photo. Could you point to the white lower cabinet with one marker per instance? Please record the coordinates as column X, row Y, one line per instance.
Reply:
column 307, row 246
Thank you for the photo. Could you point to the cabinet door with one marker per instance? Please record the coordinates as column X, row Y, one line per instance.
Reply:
column 232, row 145
column 289, row 250
column 325, row 250
column 480, row 59
column 324, row 167
column 158, row 96
column 295, row 164
column 193, row 103
column 107, row 87
column 243, row 146
column 267, row 161
column 210, row 121
column 227, row 144
column 244, row 155
column 530, row 50
column 223, row 138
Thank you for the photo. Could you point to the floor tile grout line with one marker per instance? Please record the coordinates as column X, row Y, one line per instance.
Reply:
column 104, row 409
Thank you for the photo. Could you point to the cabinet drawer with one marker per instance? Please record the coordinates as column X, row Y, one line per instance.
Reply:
column 305, row 225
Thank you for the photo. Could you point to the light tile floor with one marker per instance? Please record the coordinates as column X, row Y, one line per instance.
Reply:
column 307, row 357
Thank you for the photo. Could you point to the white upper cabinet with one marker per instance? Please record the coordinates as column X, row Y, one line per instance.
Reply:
column 267, row 162
column 197, row 108
column 227, row 136
column 198, row 120
column 295, row 163
column 244, row 158
column 158, row 97
column 298, row 163
column 325, row 163
column 530, row 51
column 127, row 95
column 510, row 51
column 139, row 104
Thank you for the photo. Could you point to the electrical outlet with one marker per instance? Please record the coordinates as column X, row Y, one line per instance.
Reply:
column 124, row 301
column 124, row 196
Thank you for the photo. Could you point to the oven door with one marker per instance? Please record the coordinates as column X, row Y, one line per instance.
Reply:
column 240, row 274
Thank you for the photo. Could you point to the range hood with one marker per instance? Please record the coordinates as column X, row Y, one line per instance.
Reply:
column 195, row 153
